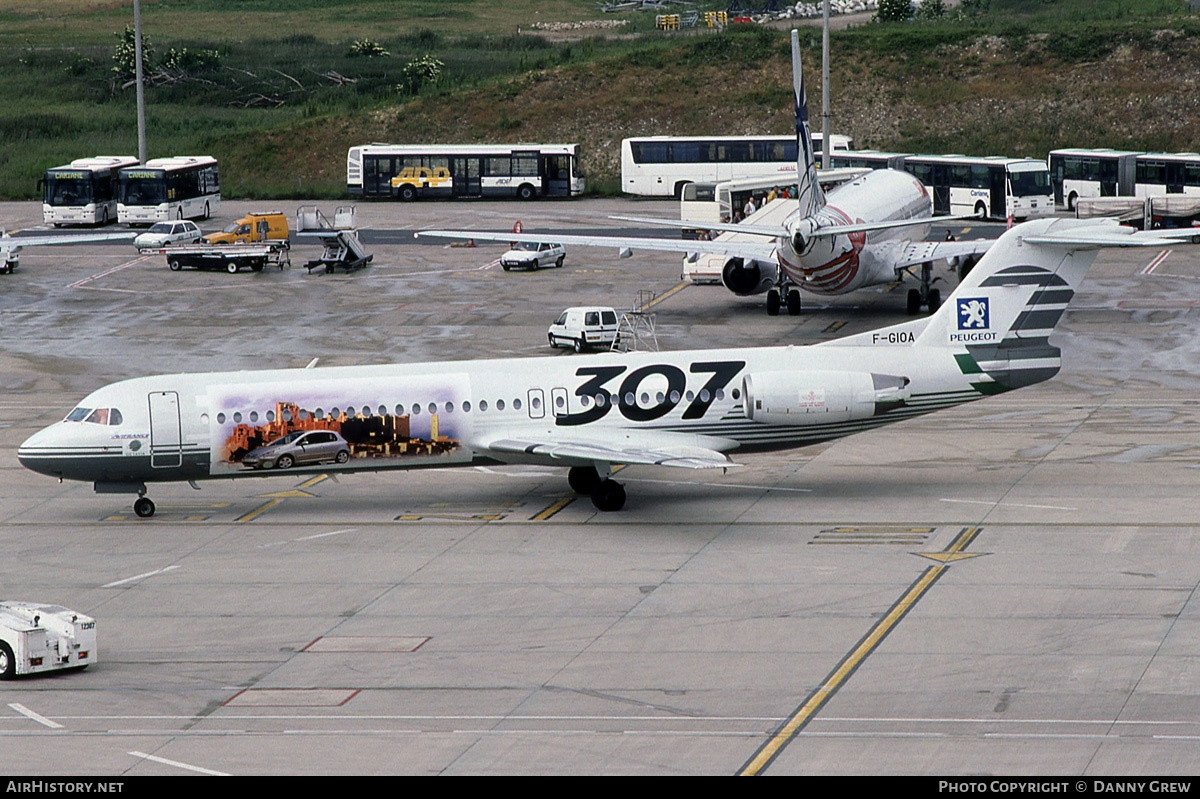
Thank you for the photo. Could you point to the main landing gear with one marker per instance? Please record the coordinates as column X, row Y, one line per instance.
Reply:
column 926, row 295
column 607, row 494
column 783, row 295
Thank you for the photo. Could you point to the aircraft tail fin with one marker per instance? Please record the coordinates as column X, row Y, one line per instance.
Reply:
column 808, row 188
column 1000, row 317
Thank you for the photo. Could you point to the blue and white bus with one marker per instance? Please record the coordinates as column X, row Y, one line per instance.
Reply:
column 660, row 166
column 412, row 171
column 991, row 187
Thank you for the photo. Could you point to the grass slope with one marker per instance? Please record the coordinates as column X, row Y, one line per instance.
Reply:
column 286, row 100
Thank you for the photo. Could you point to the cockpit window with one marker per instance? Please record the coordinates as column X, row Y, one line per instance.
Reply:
column 105, row 416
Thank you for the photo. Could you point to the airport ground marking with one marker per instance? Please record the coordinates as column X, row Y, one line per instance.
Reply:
column 177, row 764
column 1154, row 264
column 791, row 727
column 670, row 292
column 276, row 498
column 142, row 576
column 39, row 718
column 551, row 509
column 78, row 284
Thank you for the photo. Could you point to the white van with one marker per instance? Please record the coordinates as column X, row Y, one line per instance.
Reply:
column 584, row 328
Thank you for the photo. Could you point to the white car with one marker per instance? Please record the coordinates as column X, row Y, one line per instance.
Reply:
column 161, row 234
column 528, row 255
column 584, row 328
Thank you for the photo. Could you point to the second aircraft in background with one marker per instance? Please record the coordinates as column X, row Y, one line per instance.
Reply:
column 866, row 232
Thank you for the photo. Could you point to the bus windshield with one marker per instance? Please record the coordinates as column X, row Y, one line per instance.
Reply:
column 68, row 189
column 1033, row 182
column 143, row 191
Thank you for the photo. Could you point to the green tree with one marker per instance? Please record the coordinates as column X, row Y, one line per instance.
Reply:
column 931, row 9
column 893, row 10
column 419, row 72
column 125, row 54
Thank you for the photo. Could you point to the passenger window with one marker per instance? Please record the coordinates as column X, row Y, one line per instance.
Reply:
column 610, row 318
column 592, row 318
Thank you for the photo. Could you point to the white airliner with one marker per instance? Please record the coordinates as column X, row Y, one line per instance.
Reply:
column 10, row 246
column 589, row 413
column 867, row 232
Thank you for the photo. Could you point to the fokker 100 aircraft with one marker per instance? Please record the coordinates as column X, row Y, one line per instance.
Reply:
column 866, row 233
column 589, row 413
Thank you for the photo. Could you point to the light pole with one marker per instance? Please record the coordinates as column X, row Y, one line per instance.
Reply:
column 141, row 97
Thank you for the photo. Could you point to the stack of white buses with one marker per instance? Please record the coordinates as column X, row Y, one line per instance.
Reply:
column 108, row 188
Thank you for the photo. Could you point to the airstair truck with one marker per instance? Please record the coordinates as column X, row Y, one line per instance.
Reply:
column 36, row 638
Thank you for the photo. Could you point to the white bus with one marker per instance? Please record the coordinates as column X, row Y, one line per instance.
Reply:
column 181, row 187
column 1078, row 172
column 411, row 171
column 993, row 187
column 704, row 203
column 83, row 192
column 867, row 159
column 660, row 166
column 1167, row 173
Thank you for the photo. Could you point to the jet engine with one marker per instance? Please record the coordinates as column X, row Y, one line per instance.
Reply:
column 744, row 277
column 818, row 397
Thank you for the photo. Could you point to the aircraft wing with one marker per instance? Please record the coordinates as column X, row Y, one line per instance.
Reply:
column 653, row 448
column 778, row 231
column 920, row 252
column 764, row 251
column 14, row 243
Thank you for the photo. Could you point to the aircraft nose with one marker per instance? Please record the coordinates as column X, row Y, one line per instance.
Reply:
column 36, row 453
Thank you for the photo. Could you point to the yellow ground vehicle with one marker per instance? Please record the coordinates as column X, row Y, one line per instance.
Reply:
column 252, row 228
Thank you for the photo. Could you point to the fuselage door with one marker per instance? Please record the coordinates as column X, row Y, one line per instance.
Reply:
column 537, row 404
column 558, row 396
column 166, row 438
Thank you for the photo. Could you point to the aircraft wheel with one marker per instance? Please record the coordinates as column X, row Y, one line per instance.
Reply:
column 608, row 496
column 793, row 302
column 773, row 302
column 342, row 456
column 8, row 663
column 285, row 461
column 935, row 299
column 914, row 302
column 583, row 479
column 143, row 507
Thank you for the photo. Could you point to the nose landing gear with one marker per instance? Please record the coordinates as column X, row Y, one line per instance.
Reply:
column 143, row 507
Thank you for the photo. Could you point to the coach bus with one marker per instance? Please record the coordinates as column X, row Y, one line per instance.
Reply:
column 867, row 159
column 83, row 192
column 991, row 187
column 181, row 187
column 412, row 171
column 1080, row 172
column 1167, row 173
column 660, row 166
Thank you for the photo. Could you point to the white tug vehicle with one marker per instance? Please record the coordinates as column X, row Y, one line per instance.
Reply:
column 36, row 638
